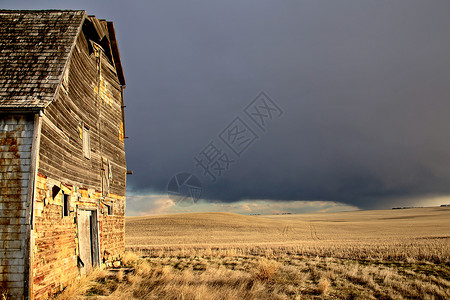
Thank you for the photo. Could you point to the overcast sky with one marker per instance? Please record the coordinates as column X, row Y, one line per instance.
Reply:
column 359, row 91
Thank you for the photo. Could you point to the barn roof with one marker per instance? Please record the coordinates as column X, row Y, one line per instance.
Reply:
column 34, row 51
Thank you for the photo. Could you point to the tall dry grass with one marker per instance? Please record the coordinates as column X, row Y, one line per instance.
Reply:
column 213, row 274
column 77, row 289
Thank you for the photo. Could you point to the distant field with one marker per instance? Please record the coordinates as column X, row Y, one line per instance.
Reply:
column 380, row 254
column 226, row 229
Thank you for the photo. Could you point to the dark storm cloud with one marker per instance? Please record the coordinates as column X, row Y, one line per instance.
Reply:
column 364, row 85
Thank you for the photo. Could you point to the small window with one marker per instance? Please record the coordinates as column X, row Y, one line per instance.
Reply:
column 86, row 143
column 109, row 208
column 66, row 206
column 55, row 191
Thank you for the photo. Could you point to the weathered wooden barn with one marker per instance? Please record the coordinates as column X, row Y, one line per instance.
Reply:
column 62, row 159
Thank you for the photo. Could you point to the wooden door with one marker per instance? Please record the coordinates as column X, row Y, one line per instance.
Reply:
column 88, row 244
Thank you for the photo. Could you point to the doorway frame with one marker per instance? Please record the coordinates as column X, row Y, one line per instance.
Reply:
column 95, row 234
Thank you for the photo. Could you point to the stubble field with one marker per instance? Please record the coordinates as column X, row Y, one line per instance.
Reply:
column 387, row 254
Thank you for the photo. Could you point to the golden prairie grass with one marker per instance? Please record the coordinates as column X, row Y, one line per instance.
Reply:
column 373, row 254
column 402, row 250
column 195, row 276
column 76, row 289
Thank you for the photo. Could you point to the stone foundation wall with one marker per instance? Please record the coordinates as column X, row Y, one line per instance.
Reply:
column 56, row 236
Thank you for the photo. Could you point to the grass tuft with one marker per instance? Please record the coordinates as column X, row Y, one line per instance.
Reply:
column 129, row 259
column 77, row 288
column 323, row 286
column 265, row 269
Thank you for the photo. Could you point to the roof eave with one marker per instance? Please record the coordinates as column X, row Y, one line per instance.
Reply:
column 20, row 110
column 115, row 52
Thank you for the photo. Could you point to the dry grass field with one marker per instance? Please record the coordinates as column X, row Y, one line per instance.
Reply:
column 379, row 254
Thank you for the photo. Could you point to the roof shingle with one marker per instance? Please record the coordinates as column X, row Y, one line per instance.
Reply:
column 34, row 49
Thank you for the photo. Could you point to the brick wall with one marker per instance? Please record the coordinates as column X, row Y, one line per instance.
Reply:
column 55, row 257
column 112, row 229
column 56, row 237
column 16, row 133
